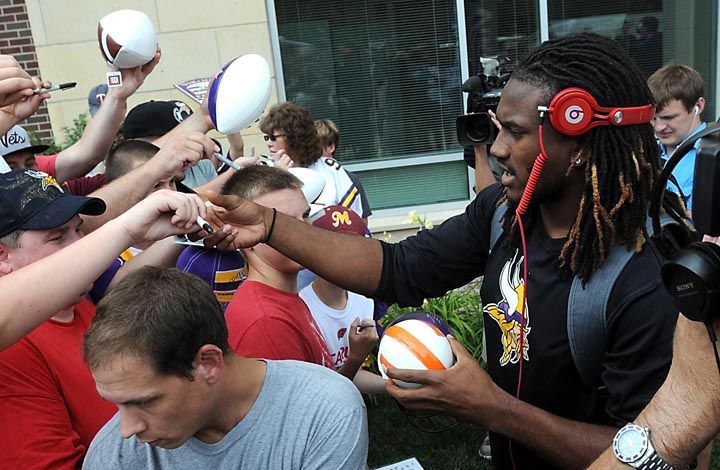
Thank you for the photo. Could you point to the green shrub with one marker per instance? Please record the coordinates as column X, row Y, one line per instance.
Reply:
column 72, row 134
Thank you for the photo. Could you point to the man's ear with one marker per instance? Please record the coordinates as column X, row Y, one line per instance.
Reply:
column 700, row 105
column 209, row 363
column 5, row 264
column 331, row 149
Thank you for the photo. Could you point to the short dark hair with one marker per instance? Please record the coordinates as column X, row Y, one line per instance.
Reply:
column 256, row 181
column 676, row 82
column 159, row 314
column 122, row 157
column 303, row 144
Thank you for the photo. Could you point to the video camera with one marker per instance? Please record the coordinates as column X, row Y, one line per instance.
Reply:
column 476, row 127
column 691, row 273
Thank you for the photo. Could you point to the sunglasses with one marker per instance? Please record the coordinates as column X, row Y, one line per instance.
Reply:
column 273, row 137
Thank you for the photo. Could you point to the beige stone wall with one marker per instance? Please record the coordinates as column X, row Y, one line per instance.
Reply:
column 196, row 37
column 16, row 40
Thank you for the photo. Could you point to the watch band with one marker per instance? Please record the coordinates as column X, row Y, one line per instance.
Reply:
column 655, row 462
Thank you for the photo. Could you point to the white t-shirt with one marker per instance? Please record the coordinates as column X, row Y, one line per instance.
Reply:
column 339, row 188
column 335, row 324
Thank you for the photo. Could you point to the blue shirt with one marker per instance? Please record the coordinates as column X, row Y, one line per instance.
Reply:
column 685, row 169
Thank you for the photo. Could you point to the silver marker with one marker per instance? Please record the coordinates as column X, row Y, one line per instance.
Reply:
column 227, row 161
column 204, row 225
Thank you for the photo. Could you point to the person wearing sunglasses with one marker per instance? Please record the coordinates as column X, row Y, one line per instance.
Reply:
column 290, row 134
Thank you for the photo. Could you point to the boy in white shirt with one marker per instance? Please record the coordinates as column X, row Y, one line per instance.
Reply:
column 340, row 314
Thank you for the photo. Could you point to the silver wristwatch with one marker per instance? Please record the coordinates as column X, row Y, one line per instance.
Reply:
column 632, row 446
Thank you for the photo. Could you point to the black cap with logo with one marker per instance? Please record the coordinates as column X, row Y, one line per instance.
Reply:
column 33, row 200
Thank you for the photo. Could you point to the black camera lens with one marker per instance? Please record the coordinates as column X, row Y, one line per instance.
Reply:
column 475, row 129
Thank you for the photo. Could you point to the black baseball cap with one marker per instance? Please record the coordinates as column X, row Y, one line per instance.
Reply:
column 154, row 118
column 33, row 200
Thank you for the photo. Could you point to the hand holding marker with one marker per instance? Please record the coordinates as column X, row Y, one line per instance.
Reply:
column 62, row 86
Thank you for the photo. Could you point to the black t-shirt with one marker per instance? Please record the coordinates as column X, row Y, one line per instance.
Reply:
column 640, row 319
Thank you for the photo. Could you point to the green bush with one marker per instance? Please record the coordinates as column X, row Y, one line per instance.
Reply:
column 72, row 134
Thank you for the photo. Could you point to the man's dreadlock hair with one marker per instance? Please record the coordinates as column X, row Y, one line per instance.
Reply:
column 623, row 162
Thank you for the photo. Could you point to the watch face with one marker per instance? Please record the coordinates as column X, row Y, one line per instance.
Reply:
column 630, row 443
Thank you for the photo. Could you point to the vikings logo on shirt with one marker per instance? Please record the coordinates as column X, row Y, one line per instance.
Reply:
column 511, row 313
column 47, row 180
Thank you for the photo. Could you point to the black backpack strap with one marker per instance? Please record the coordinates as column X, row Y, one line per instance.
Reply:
column 587, row 312
column 496, row 224
column 586, row 315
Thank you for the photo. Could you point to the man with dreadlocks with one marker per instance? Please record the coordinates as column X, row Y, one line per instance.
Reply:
column 592, row 196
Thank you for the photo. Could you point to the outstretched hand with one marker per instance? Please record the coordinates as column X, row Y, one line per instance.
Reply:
column 464, row 391
column 162, row 214
column 26, row 106
column 133, row 77
column 251, row 221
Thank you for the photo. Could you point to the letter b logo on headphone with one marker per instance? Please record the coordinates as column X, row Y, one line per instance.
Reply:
column 571, row 112
column 574, row 114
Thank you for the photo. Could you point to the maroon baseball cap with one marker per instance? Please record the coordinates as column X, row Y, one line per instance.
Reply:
column 340, row 219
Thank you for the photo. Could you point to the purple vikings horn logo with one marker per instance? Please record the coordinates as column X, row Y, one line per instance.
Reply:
column 509, row 312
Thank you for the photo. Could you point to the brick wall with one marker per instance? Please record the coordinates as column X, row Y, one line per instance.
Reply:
column 16, row 40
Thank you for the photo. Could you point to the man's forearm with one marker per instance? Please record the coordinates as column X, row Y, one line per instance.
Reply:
column 120, row 195
column 684, row 415
column 568, row 444
column 330, row 254
column 81, row 157
column 483, row 173
column 161, row 253
column 24, row 309
column 196, row 122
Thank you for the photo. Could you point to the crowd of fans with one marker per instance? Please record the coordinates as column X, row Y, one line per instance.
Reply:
column 172, row 312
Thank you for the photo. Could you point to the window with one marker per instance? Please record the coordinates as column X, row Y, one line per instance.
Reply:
column 654, row 32
column 389, row 75
column 508, row 29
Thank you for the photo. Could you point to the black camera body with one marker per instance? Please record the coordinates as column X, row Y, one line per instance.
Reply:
column 692, row 274
column 485, row 89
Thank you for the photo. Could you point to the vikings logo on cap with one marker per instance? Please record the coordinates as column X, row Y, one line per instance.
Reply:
column 181, row 111
column 46, row 180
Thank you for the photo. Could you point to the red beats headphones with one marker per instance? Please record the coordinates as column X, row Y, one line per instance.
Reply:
column 574, row 111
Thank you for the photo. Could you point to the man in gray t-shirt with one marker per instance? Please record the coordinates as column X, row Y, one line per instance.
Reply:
column 158, row 349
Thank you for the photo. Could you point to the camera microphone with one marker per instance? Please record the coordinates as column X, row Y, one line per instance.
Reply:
column 472, row 84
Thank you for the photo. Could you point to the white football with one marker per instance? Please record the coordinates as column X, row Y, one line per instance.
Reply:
column 414, row 344
column 313, row 182
column 127, row 38
column 239, row 93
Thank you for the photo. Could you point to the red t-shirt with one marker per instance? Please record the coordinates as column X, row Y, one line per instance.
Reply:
column 77, row 186
column 273, row 324
column 49, row 407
